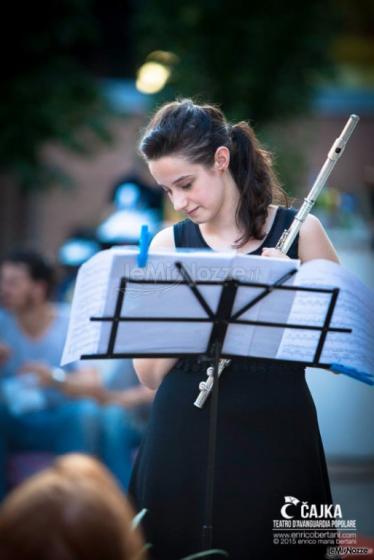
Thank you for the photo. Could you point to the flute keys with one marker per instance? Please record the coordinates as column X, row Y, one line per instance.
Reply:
column 205, row 387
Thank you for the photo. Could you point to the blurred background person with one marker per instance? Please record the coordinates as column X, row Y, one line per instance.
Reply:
column 43, row 407
column 71, row 511
column 32, row 333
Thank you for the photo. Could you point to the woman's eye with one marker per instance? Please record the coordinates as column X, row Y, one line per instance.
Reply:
column 186, row 187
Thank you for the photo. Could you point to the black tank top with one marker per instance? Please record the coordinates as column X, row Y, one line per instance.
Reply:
column 188, row 234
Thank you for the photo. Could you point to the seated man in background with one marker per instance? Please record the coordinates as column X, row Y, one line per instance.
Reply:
column 32, row 336
column 33, row 329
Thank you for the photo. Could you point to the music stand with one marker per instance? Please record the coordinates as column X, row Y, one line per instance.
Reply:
column 221, row 320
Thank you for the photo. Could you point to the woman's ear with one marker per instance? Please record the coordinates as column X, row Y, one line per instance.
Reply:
column 222, row 158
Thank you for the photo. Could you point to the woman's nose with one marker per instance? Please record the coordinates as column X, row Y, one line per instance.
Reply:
column 179, row 202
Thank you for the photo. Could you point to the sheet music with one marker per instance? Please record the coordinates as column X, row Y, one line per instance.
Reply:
column 354, row 309
column 247, row 340
column 98, row 285
column 177, row 300
column 171, row 300
column 89, row 300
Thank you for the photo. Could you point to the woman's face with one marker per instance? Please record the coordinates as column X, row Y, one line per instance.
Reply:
column 193, row 189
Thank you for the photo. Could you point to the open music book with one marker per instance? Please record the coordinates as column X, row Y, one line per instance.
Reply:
column 98, row 288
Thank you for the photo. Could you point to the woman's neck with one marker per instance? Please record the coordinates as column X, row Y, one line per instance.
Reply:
column 224, row 224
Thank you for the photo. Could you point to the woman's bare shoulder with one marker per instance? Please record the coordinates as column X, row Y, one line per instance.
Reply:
column 314, row 242
column 164, row 239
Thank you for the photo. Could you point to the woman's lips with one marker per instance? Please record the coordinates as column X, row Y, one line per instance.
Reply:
column 193, row 211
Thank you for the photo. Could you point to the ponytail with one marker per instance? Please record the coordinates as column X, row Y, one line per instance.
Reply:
column 252, row 171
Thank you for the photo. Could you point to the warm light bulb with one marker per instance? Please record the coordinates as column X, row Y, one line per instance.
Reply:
column 152, row 77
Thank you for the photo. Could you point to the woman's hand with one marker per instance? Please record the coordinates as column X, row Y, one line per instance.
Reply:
column 274, row 253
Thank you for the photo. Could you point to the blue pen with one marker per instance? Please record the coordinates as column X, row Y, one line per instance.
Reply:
column 354, row 373
column 144, row 241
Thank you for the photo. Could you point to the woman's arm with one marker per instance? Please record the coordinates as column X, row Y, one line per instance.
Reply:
column 151, row 371
column 130, row 398
column 314, row 242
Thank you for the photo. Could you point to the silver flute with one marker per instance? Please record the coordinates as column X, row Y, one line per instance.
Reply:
column 289, row 235
column 336, row 150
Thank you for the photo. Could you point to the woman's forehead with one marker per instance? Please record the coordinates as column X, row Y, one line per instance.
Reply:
column 171, row 168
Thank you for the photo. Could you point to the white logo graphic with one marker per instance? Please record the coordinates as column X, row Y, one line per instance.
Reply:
column 290, row 500
column 313, row 511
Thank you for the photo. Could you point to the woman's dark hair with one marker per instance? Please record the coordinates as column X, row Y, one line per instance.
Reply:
column 195, row 132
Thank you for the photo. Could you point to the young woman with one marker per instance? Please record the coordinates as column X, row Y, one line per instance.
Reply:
column 268, row 441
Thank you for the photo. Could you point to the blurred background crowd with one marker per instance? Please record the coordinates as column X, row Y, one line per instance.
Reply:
column 80, row 79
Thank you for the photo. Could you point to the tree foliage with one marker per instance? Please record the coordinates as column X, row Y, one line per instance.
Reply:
column 259, row 60
column 46, row 93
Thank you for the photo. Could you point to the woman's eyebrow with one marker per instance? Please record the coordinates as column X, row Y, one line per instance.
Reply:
column 181, row 179
column 176, row 181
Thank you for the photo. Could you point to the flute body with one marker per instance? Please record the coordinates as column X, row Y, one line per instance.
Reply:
column 336, row 150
